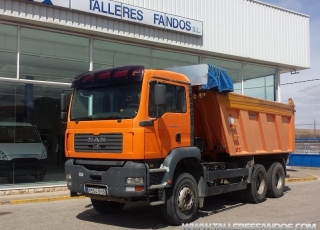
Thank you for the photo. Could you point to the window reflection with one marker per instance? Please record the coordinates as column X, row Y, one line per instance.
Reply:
column 8, row 51
column 107, row 55
column 175, row 100
column 166, row 59
column 31, row 134
column 259, row 81
column 49, row 56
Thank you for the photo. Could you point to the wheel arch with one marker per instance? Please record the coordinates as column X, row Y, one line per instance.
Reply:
column 186, row 159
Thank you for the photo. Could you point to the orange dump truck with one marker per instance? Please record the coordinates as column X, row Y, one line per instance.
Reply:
column 172, row 139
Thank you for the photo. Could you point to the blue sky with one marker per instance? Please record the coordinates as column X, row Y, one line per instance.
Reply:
column 305, row 95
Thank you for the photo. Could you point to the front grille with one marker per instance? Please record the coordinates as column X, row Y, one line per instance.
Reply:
column 111, row 142
column 156, row 178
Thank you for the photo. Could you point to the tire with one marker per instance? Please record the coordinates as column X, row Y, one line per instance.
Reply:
column 182, row 200
column 275, row 180
column 257, row 190
column 107, row 207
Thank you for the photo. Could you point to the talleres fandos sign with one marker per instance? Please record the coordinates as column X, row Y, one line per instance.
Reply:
column 130, row 13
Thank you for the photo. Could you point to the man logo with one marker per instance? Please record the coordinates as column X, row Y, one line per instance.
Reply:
column 96, row 140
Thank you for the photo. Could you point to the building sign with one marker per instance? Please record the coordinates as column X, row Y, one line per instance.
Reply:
column 130, row 13
column 138, row 15
column 63, row 3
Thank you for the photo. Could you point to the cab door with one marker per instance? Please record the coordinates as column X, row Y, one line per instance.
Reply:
column 171, row 125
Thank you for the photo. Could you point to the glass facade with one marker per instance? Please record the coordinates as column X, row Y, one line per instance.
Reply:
column 31, row 134
column 36, row 66
column 259, row 81
column 109, row 54
column 8, row 51
column 54, row 57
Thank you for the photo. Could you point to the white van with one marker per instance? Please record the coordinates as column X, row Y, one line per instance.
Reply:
column 21, row 151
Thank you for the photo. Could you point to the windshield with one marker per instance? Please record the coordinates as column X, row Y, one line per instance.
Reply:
column 106, row 103
column 19, row 134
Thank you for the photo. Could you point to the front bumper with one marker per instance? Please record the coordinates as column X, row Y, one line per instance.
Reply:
column 113, row 178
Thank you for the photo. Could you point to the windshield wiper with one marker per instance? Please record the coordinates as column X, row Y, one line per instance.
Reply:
column 82, row 119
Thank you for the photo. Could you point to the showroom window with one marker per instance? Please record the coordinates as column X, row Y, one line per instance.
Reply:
column 107, row 55
column 165, row 59
column 110, row 54
column 8, row 51
column 259, row 81
column 54, row 57
column 31, row 134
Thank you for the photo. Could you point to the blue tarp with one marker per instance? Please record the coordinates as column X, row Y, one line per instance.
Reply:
column 207, row 76
column 218, row 79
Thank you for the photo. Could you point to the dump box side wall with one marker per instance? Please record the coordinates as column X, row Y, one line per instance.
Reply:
column 241, row 125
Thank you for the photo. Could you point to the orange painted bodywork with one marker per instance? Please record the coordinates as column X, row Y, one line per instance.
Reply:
column 241, row 125
column 260, row 126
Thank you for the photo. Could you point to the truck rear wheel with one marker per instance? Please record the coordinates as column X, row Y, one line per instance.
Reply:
column 182, row 200
column 257, row 190
column 107, row 207
column 275, row 180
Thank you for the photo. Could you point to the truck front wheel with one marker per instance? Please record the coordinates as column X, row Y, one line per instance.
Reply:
column 182, row 200
column 107, row 207
column 275, row 180
column 256, row 191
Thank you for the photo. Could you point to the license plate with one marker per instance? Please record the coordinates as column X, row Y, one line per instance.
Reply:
column 96, row 191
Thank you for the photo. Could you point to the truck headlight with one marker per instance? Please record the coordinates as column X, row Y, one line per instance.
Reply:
column 134, row 180
column 43, row 154
column 3, row 156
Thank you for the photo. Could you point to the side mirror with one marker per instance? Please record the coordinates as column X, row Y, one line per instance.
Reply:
column 64, row 106
column 160, row 95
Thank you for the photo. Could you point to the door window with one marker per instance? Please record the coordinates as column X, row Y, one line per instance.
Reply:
column 175, row 102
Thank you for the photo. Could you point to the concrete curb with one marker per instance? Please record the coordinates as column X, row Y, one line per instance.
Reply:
column 301, row 179
column 32, row 190
column 39, row 200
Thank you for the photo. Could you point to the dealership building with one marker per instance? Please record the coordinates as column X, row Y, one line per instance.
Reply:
column 45, row 44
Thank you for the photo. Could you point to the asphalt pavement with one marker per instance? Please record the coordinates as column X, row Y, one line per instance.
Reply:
column 295, row 174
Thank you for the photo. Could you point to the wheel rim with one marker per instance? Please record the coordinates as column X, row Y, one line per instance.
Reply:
column 260, row 184
column 279, row 180
column 185, row 199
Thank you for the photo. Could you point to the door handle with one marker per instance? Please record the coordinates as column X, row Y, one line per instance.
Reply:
column 178, row 137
